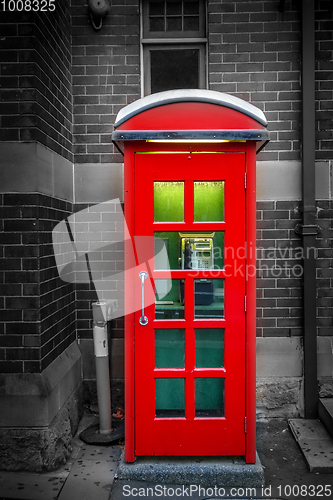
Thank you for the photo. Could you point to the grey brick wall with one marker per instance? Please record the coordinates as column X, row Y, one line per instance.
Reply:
column 35, row 78
column 279, row 269
column 106, row 77
column 37, row 308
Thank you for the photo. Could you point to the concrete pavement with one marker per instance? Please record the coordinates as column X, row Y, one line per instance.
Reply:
column 91, row 474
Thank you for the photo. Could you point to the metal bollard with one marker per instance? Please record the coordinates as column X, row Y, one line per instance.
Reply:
column 102, row 312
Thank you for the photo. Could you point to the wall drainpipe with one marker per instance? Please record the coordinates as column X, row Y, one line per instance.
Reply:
column 102, row 313
column 308, row 229
column 106, row 431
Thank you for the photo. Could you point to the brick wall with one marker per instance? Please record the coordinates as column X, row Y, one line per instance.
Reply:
column 106, row 77
column 324, row 78
column 35, row 76
column 254, row 53
column 279, row 269
column 37, row 308
column 325, row 268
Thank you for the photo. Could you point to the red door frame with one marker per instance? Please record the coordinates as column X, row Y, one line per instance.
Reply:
column 249, row 149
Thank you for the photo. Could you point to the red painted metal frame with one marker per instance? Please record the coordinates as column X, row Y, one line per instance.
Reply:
column 249, row 149
column 153, row 435
column 251, row 204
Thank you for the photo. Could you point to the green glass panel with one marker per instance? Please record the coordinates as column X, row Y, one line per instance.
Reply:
column 209, row 397
column 209, row 201
column 209, row 298
column 170, row 397
column 170, row 348
column 209, row 348
column 174, row 250
column 169, row 201
column 169, row 300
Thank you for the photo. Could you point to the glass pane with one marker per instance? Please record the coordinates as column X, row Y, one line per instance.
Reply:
column 191, row 7
column 169, row 299
column 209, row 201
column 209, row 298
column 209, row 348
column 174, row 24
column 209, row 397
column 170, row 348
column 174, row 8
column 156, row 8
column 170, row 397
column 174, row 69
column 191, row 23
column 169, row 201
column 176, row 250
column 157, row 24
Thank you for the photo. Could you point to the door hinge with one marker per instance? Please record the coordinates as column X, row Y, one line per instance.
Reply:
column 245, row 303
column 245, row 425
column 245, row 180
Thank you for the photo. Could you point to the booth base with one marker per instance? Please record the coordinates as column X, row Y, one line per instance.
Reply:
column 204, row 471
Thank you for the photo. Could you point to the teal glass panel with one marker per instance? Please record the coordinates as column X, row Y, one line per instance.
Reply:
column 209, row 201
column 209, row 298
column 177, row 250
column 168, row 201
column 209, row 397
column 170, row 397
column 209, row 348
column 169, row 299
column 170, row 348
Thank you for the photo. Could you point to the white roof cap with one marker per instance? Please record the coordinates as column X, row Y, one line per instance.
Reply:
column 189, row 95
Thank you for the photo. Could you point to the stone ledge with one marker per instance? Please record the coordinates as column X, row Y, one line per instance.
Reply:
column 34, row 399
column 41, row 449
column 205, row 471
column 280, row 397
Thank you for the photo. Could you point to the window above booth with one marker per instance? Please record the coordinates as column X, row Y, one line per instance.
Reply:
column 173, row 45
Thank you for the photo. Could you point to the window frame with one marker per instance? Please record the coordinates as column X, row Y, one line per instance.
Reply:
column 162, row 41
column 173, row 34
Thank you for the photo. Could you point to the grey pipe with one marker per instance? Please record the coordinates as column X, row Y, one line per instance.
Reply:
column 102, row 312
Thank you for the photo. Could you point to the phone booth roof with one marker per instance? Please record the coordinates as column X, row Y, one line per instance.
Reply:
column 190, row 115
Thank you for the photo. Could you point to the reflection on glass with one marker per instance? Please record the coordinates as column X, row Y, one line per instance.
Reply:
column 169, row 201
column 209, row 201
column 170, row 348
column 209, row 347
column 209, row 397
column 176, row 250
column 168, row 303
column 209, row 298
column 174, row 68
column 170, row 397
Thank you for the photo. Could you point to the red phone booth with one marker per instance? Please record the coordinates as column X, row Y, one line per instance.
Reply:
column 190, row 205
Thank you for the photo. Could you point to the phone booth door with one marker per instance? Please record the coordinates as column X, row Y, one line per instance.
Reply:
column 190, row 340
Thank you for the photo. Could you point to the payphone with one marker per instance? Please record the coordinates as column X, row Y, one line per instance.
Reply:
column 189, row 180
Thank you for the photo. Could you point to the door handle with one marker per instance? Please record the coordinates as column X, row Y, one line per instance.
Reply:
column 143, row 276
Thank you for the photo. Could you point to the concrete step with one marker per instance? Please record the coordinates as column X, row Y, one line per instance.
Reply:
column 205, row 471
column 326, row 413
column 316, row 444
